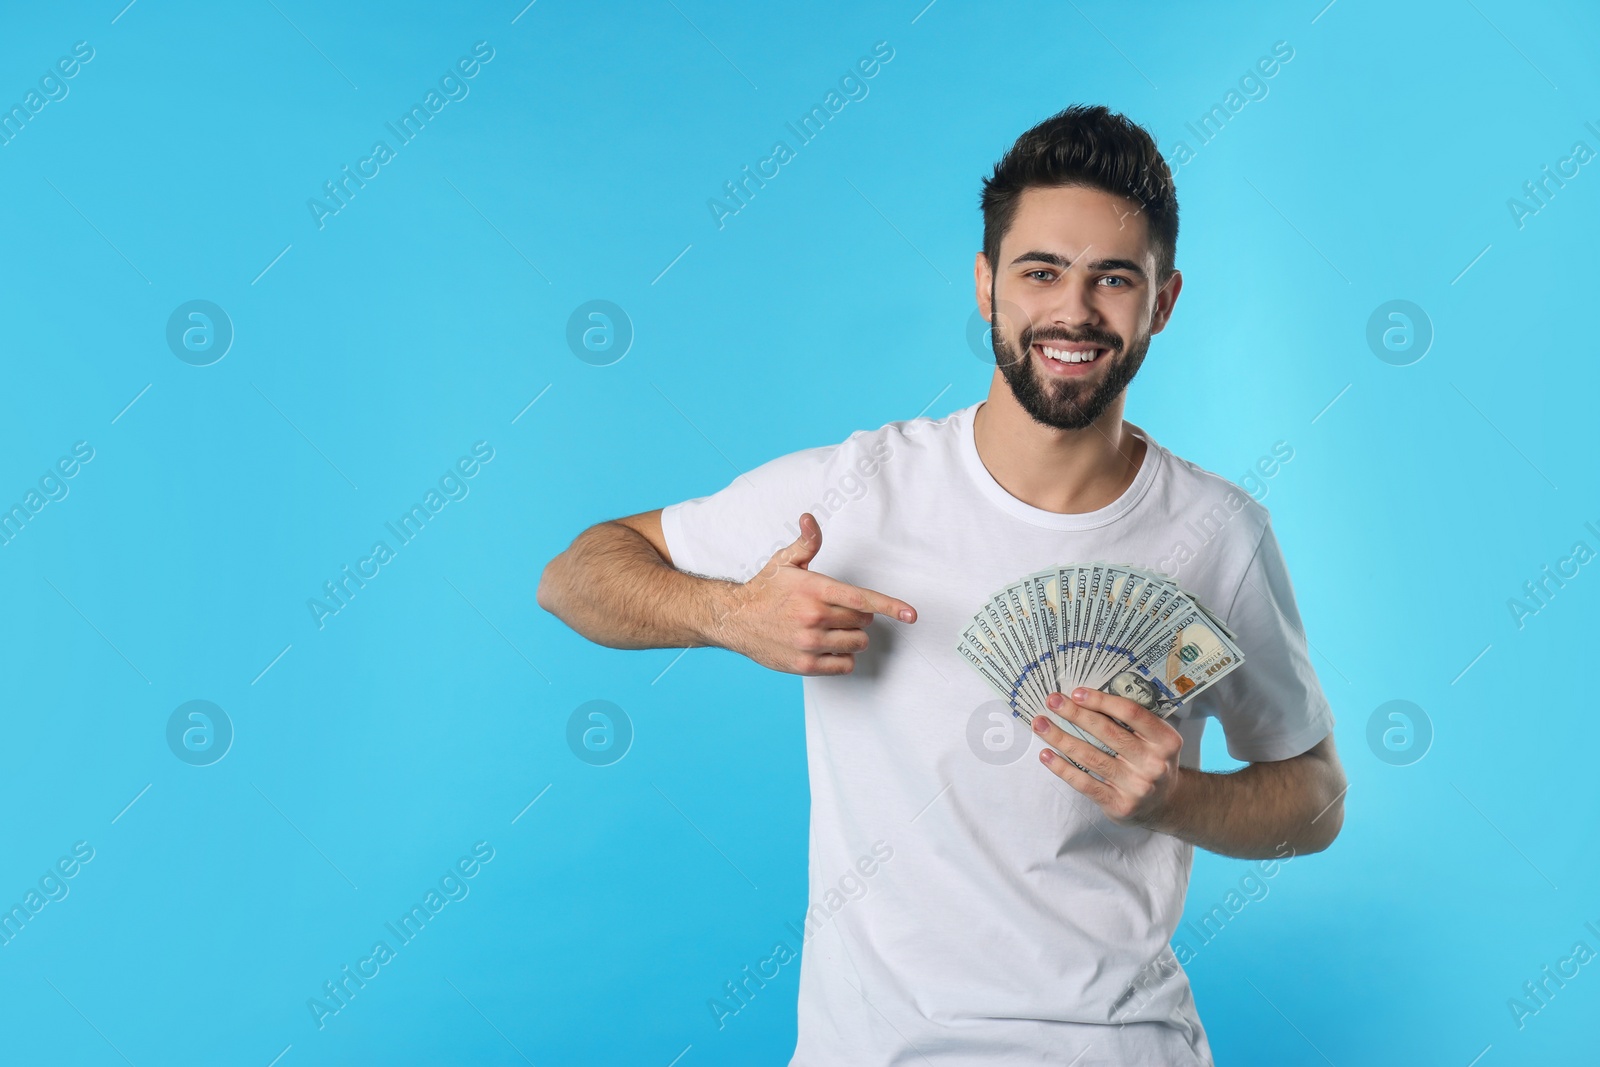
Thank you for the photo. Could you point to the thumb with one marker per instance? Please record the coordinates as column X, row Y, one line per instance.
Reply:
column 801, row 551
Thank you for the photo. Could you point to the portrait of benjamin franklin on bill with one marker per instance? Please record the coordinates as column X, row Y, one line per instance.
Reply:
column 1141, row 691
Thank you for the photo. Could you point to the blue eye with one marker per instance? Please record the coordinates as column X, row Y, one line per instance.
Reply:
column 1122, row 282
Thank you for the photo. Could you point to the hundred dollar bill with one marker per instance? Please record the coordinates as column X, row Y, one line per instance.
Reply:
column 981, row 637
column 1191, row 655
column 1035, row 593
column 1183, row 662
column 1010, row 635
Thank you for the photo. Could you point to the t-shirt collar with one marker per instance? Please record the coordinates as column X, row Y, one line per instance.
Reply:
column 1154, row 457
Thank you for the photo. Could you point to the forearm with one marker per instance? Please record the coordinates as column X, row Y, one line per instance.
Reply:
column 611, row 586
column 1248, row 813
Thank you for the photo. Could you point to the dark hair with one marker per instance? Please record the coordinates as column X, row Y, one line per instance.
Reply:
column 1088, row 146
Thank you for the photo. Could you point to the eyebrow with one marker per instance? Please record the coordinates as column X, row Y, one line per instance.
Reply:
column 1064, row 263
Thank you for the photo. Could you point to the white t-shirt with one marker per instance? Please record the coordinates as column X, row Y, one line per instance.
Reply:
column 967, row 906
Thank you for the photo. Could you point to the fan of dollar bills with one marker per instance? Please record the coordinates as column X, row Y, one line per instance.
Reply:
column 1101, row 626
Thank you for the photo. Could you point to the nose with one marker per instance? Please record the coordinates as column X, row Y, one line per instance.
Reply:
column 1072, row 304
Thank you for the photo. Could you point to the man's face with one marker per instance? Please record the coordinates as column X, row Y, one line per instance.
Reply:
column 1079, row 301
column 1130, row 685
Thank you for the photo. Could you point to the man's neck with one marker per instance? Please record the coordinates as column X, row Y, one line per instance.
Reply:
column 1068, row 472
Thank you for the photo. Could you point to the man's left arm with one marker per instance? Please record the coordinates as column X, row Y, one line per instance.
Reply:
column 1246, row 813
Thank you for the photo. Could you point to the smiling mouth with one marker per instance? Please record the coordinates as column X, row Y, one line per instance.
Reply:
column 1075, row 354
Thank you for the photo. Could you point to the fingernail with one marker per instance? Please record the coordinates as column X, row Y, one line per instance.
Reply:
column 1047, row 756
column 1055, row 700
column 1080, row 694
column 1039, row 724
column 905, row 616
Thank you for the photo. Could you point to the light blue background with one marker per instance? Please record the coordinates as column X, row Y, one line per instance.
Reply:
column 429, row 312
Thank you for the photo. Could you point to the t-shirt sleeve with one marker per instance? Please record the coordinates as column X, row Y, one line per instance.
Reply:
column 733, row 532
column 1272, row 706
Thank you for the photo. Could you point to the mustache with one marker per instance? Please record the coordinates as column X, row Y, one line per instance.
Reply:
column 1086, row 336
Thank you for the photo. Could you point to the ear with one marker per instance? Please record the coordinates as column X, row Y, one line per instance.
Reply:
column 982, row 279
column 1166, row 298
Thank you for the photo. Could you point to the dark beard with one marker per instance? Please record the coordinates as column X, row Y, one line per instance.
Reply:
column 1065, row 404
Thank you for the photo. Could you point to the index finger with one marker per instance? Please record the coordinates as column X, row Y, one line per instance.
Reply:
column 863, row 599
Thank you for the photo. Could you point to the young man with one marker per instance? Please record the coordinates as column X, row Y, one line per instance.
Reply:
column 1025, row 913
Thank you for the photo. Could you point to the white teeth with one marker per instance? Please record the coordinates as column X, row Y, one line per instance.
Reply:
column 1063, row 356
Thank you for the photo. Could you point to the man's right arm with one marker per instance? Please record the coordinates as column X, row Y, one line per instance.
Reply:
column 616, row 585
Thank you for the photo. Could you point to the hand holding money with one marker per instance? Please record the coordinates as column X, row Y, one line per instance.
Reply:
column 1131, row 647
column 792, row 619
column 1118, row 629
column 1134, row 785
